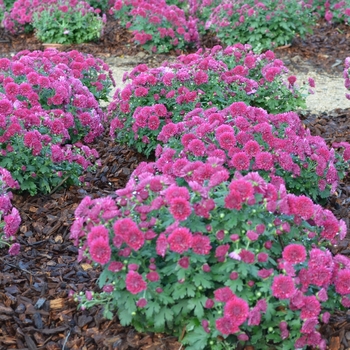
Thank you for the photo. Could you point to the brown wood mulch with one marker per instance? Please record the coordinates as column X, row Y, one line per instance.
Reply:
column 35, row 312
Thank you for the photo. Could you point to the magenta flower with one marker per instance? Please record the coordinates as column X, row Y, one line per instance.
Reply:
column 342, row 282
column 180, row 208
column 201, row 245
column 100, row 251
column 294, row 253
column 180, row 240
column 283, row 287
column 237, row 309
column 223, row 294
column 226, row 325
column 134, row 282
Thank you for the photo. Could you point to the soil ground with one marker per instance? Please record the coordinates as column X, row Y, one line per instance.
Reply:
column 35, row 312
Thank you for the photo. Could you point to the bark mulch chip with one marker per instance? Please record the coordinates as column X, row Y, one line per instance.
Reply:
column 35, row 311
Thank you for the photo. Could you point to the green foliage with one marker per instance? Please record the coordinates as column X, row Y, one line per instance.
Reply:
column 265, row 25
column 72, row 27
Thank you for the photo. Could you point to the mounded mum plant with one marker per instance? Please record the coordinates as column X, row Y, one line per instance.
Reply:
column 93, row 72
column 156, row 25
column 213, row 78
column 263, row 24
column 9, row 216
column 26, row 88
column 248, row 139
column 220, row 262
column 31, row 146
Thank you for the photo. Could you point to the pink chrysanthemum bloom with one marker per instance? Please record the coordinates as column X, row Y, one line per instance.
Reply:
column 233, row 200
column 184, row 262
column 282, row 287
column 254, row 317
column 303, row 206
column 123, row 226
column 223, row 294
column 238, row 109
column 155, row 184
column 309, row 325
column 237, row 309
column 175, row 191
column 100, row 251
column 135, row 238
column 263, row 161
column 222, row 250
column 14, row 249
column 201, row 245
column 12, row 222
column 161, row 245
column 320, row 276
column 218, row 177
column 265, row 273
column 196, row 147
column 153, row 276
column 115, row 266
column 294, row 253
column 240, row 161
column 342, row 282
column 97, row 232
column 226, row 325
column 180, row 240
column 311, row 307
column 180, row 208
column 263, row 257
column 227, row 140
column 141, row 303
column 134, row 282
column 251, row 148
column 243, row 187
column 247, row 256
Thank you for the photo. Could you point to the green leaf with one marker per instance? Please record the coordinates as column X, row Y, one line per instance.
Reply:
column 125, row 317
column 151, row 308
column 196, row 339
column 197, row 305
column 165, row 314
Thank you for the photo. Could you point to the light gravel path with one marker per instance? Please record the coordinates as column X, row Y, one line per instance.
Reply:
column 329, row 92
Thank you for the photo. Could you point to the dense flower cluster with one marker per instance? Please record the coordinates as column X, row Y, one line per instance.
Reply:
column 157, row 26
column 331, row 10
column 44, row 110
column 248, row 139
column 93, row 72
column 171, row 239
column 34, row 83
column 9, row 216
column 213, row 78
column 20, row 18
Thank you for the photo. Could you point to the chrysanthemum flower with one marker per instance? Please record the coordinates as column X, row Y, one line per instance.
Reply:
column 223, row 294
column 134, row 282
column 294, row 253
column 100, row 251
column 237, row 309
column 282, row 287
column 180, row 240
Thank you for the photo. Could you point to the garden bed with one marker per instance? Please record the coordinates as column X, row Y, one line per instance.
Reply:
column 35, row 312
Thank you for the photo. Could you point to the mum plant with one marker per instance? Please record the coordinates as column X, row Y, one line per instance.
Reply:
column 243, row 138
column 93, row 72
column 264, row 24
column 28, row 87
column 211, row 78
column 213, row 261
column 157, row 26
column 19, row 18
column 9, row 216
column 31, row 146
column 333, row 11
column 68, row 22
